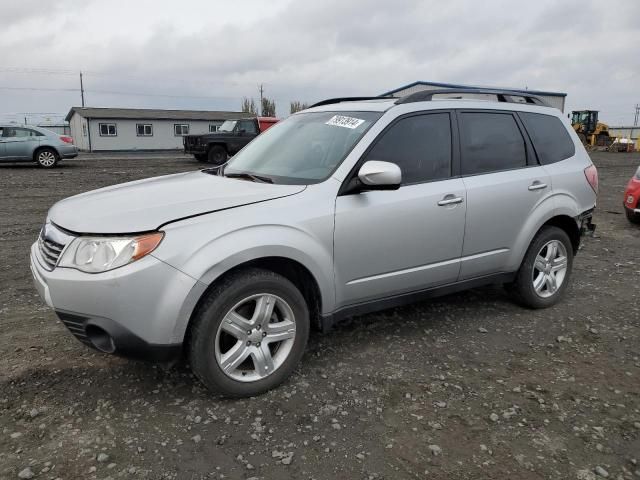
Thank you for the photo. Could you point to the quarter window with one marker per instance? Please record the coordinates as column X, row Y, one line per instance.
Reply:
column 420, row 145
column 144, row 130
column 108, row 129
column 213, row 128
column 549, row 136
column 490, row 142
column 180, row 129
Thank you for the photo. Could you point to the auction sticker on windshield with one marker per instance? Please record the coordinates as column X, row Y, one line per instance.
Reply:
column 346, row 122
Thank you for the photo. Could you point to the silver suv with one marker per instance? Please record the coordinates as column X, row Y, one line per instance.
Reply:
column 348, row 207
column 22, row 143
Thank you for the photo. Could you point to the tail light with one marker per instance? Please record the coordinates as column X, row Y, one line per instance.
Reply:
column 66, row 139
column 591, row 172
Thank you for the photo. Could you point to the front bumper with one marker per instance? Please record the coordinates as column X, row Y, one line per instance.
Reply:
column 130, row 311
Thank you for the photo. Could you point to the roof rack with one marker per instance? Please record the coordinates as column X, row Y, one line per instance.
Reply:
column 502, row 95
column 348, row 99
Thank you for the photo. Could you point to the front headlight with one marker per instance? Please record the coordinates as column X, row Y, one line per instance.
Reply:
column 100, row 254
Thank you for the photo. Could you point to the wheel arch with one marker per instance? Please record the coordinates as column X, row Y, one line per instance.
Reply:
column 569, row 225
column 291, row 269
column 40, row 148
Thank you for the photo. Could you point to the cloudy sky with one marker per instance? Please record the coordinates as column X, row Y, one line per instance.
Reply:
column 209, row 54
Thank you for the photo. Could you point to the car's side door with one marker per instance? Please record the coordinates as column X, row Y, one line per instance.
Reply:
column 248, row 131
column 20, row 143
column 410, row 239
column 504, row 184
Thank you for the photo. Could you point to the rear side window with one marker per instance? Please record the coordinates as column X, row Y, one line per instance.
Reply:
column 420, row 145
column 490, row 142
column 549, row 137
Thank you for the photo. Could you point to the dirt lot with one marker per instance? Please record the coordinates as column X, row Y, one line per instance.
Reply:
column 468, row 386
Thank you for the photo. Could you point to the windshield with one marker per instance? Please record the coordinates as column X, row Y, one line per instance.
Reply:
column 228, row 126
column 305, row 148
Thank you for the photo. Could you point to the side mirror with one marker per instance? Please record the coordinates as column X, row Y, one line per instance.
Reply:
column 376, row 175
column 242, row 130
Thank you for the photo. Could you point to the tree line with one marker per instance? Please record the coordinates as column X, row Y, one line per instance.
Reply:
column 268, row 106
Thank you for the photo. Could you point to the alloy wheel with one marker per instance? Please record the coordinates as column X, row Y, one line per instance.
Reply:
column 550, row 268
column 46, row 158
column 255, row 337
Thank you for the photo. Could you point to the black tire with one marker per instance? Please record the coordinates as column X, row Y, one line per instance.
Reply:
column 47, row 157
column 632, row 216
column 217, row 155
column 201, row 157
column 522, row 288
column 220, row 300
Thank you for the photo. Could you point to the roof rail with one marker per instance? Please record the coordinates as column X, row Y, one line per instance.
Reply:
column 347, row 99
column 503, row 95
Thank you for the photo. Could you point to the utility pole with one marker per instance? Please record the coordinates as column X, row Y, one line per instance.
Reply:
column 81, row 89
column 261, row 90
column 635, row 120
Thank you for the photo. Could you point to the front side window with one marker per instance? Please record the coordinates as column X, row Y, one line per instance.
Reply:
column 420, row 145
column 303, row 149
column 180, row 129
column 228, row 126
column 108, row 129
column 248, row 127
column 549, row 136
column 490, row 142
column 213, row 128
column 144, row 130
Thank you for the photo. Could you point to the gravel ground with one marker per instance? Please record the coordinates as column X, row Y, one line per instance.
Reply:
column 467, row 386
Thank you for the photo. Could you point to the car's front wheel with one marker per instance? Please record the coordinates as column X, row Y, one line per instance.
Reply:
column 47, row 157
column 217, row 155
column 249, row 334
column 545, row 271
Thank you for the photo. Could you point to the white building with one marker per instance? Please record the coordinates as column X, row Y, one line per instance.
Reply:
column 112, row 129
column 555, row 99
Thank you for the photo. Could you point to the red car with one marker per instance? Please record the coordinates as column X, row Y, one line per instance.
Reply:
column 632, row 198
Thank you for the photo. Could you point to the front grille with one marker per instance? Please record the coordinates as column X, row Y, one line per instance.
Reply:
column 75, row 324
column 51, row 243
column 49, row 251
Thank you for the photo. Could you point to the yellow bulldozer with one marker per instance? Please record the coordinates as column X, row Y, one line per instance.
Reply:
column 592, row 132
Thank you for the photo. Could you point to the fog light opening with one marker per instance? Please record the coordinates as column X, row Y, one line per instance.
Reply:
column 100, row 339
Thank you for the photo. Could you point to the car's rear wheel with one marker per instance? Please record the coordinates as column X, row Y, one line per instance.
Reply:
column 632, row 216
column 47, row 157
column 217, row 155
column 249, row 334
column 544, row 274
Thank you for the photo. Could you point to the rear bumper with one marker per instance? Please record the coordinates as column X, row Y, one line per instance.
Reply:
column 587, row 227
column 68, row 151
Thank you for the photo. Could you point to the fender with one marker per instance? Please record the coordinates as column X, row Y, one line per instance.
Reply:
column 236, row 247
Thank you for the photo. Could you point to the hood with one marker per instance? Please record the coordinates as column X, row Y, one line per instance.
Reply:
column 145, row 205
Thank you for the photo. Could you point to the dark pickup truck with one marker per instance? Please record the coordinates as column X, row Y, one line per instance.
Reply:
column 231, row 136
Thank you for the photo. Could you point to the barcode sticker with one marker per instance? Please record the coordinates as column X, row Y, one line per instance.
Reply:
column 346, row 122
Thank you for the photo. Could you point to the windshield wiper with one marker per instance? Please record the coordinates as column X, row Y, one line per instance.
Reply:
column 249, row 176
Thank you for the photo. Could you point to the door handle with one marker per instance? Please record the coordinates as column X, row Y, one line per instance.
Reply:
column 537, row 186
column 449, row 200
